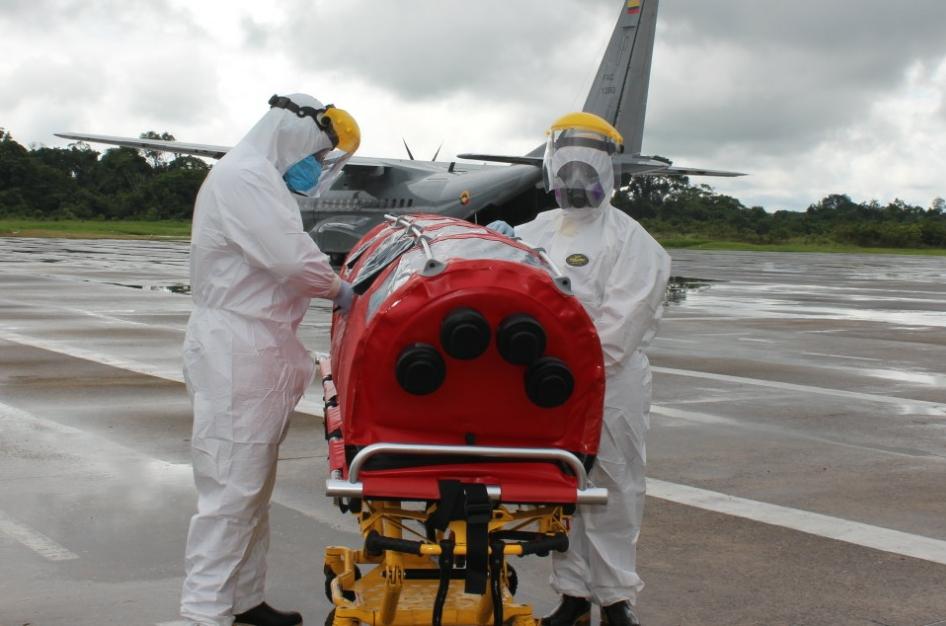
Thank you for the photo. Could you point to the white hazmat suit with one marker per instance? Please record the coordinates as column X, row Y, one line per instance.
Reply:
column 620, row 274
column 253, row 271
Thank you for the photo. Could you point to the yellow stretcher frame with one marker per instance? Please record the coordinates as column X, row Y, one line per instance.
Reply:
column 384, row 597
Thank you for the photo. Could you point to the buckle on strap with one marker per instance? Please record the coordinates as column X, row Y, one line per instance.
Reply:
column 477, row 512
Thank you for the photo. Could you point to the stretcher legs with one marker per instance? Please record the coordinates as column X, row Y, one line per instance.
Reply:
column 417, row 575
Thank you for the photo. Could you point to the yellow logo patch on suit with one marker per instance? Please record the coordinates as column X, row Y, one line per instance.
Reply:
column 577, row 260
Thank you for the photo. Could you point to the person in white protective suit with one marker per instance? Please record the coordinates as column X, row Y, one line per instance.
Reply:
column 253, row 270
column 620, row 274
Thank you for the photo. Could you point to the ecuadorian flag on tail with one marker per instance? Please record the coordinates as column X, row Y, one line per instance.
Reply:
column 633, row 7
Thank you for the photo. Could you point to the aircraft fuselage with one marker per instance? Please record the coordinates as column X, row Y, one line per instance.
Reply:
column 363, row 195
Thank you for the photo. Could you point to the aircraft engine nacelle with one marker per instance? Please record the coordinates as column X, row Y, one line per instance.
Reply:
column 460, row 336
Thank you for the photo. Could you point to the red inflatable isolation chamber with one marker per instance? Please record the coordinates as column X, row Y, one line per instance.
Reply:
column 463, row 354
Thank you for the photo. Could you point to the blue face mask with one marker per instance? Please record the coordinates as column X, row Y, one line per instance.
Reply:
column 303, row 177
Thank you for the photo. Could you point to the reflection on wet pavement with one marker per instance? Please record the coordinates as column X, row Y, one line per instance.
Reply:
column 179, row 288
column 811, row 382
column 679, row 286
column 884, row 289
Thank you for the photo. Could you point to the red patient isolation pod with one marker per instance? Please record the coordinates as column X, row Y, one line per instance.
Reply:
column 464, row 357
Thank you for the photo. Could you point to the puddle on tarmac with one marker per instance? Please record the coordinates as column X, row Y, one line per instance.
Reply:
column 181, row 288
column 679, row 286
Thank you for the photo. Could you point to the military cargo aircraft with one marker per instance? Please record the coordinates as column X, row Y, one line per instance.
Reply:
column 511, row 189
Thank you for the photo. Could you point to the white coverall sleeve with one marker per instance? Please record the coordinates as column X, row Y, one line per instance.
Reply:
column 271, row 238
column 633, row 298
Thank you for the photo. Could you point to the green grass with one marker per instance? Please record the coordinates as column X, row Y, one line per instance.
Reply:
column 158, row 229
column 707, row 244
column 94, row 229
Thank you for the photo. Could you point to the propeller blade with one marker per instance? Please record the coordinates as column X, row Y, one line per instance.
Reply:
column 406, row 147
column 437, row 153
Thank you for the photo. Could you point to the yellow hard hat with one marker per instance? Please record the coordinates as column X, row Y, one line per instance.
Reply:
column 345, row 129
column 589, row 122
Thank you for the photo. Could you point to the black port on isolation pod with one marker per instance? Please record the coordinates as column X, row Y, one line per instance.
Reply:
column 549, row 382
column 464, row 334
column 521, row 339
column 420, row 369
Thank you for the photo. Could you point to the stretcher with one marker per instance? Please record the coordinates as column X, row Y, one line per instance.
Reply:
column 463, row 402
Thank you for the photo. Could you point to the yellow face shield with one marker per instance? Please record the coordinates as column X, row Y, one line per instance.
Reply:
column 342, row 128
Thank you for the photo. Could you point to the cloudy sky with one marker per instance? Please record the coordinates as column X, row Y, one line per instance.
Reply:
column 811, row 97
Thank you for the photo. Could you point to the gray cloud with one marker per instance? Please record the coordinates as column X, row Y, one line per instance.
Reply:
column 789, row 72
column 761, row 76
column 255, row 35
column 794, row 93
column 140, row 58
column 66, row 83
column 177, row 89
column 428, row 49
column 116, row 16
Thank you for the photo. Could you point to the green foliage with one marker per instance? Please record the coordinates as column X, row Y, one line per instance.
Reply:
column 124, row 229
column 694, row 244
column 678, row 212
column 157, row 158
column 79, row 183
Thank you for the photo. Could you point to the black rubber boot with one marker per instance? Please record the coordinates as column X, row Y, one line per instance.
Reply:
column 571, row 611
column 265, row 615
column 619, row 614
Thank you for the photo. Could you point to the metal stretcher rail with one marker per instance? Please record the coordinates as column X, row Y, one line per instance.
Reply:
column 351, row 488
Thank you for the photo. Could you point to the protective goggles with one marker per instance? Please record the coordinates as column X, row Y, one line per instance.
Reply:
column 319, row 116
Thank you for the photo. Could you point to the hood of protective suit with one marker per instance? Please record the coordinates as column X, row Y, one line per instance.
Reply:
column 581, row 177
column 283, row 138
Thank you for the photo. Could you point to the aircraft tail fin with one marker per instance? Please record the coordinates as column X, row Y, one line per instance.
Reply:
column 619, row 91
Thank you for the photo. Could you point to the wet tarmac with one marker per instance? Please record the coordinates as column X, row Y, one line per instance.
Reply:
column 797, row 456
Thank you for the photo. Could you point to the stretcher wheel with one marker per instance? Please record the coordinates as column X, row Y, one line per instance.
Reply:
column 352, row 505
column 347, row 593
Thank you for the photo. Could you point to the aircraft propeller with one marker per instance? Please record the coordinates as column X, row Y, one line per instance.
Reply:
column 406, row 147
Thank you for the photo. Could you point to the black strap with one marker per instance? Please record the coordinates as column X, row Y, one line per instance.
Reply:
column 318, row 115
column 469, row 502
column 496, row 581
column 282, row 102
column 446, row 572
column 449, row 507
column 478, row 511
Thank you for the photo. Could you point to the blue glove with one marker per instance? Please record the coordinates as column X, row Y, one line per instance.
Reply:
column 502, row 228
column 343, row 298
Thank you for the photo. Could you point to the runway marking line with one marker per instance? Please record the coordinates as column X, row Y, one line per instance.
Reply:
column 314, row 408
column 305, row 406
column 35, row 540
column 857, row 533
column 699, row 417
column 775, row 384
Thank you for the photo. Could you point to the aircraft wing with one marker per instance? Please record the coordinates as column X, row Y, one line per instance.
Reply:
column 673, row 170
column 639, row 165
column 634, row 165
column 494, row 158
column 178, row 147
column 359, row 166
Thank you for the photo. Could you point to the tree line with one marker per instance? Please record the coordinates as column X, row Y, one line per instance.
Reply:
column 673, row 207
column 77, row 182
